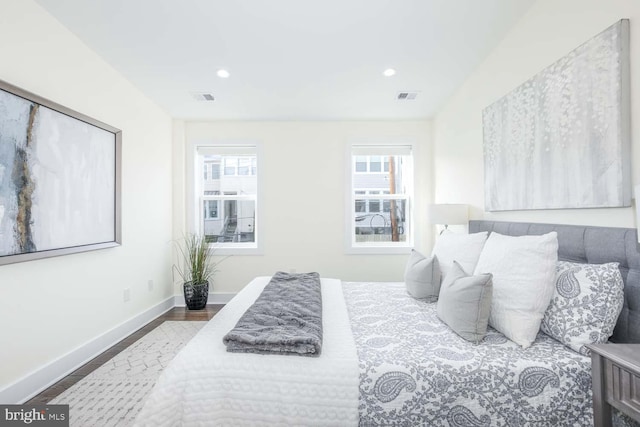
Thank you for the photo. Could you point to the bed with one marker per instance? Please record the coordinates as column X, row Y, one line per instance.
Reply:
column 388, row 360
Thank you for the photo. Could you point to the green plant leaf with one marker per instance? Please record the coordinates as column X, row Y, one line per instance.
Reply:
column 195, row 259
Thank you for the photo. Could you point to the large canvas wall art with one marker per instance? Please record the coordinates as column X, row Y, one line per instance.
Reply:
column 562, row 139
column 59, row 179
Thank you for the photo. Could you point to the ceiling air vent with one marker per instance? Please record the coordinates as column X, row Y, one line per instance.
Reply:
column 406, row 96
column 203, row 96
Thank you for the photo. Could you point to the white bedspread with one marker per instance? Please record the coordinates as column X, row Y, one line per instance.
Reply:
column 206, row 385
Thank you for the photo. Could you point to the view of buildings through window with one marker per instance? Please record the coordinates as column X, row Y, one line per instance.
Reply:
column 228, row 200
column 382, row 182
column 381, row 192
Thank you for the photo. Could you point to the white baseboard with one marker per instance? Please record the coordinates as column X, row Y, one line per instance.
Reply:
column 214, row 298
column 33, row 383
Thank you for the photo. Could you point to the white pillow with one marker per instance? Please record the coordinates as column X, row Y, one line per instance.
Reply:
column 524, row 273
column 464, row 248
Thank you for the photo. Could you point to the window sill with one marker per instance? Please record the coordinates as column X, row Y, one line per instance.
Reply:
column 379, row 250
column 236, row 250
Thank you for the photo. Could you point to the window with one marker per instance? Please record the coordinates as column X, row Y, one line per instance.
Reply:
column 210, row 209
column 215, row 170
column 244, row 165
column 227, row 204
column 375, row 164
column 211, row 170
column 374, row 205
column 361, row 205
column 386, row 204
column 234, row 165
column 230, row 164
column 371, row 164
column 381, row 193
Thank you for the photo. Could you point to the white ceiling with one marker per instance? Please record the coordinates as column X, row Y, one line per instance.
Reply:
column 292, row 59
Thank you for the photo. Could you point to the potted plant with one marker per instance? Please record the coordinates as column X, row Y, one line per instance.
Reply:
column 195, row 267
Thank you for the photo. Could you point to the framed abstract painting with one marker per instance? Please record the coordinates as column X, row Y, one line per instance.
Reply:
column 562, row 139
column 60, row 178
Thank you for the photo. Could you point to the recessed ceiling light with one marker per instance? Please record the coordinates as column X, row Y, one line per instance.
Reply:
column 389, row 72
column 223, row 74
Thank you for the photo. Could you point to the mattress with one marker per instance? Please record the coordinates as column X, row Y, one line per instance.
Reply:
column 206, row 385
column 415, row 371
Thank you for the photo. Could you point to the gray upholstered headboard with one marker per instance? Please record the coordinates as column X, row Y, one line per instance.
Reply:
column 593, row 245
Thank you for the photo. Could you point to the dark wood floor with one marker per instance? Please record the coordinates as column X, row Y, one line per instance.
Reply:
column 177, row 313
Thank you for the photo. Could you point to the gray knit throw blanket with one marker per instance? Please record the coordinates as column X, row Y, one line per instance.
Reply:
column 285, row 319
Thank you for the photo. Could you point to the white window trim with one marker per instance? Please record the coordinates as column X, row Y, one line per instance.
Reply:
column 194, row 212
column 377, row 248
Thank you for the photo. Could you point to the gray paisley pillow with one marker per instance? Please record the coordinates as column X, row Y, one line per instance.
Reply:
column 586, row 304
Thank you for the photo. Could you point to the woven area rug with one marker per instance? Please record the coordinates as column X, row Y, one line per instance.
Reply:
column 113, row 394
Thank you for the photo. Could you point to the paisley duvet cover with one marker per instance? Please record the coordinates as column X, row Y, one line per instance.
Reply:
column 415, row 371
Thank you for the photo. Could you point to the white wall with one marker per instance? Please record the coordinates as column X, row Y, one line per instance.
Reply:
column 50, row 307
column 549, row 30
column 303, row 187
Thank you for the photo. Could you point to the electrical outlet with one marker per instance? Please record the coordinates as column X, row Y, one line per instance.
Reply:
column 126, row 295
column 150, row 285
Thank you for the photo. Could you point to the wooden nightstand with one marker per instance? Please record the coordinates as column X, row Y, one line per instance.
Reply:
column 615, row 369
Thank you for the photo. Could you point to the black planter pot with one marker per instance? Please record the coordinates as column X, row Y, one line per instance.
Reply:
column 196, row 295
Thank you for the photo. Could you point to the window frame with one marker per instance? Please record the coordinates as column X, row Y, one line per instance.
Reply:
column 382, row 248
column 195, row 196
